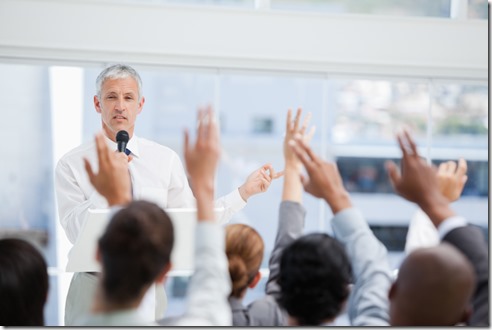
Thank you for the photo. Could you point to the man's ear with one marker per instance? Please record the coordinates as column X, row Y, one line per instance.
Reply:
column 255, row 280
column 466, row 314
column 98, row 255
column 161, row 277
column 141, row 104
column 97, row 104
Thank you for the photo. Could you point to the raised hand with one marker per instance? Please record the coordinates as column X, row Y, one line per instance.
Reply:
column 259, row 181
column 324, row 179
column 113, row 179
column 417, row 181
column 201, row 161
column 292, row 128
column 452, row 179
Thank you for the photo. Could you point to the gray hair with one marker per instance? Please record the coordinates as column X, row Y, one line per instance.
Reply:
column 118, row 71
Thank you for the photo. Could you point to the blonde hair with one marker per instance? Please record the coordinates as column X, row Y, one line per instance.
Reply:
column 244, row 249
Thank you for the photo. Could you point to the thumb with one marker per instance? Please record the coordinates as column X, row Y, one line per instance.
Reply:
column 393, row 173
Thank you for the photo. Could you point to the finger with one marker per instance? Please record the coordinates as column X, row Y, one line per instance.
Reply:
column 443, row 168
column 289, row 121
column 451, row 167
column 278, row 175
column 309, row 136
column 102, row 150
column 88, row 169
column 411, row 143
column 186, row 145
column 403, row 148
column 305, row 123
column 300, row 153
column 296, row 120
column 130, row 158
column 306, row 148
column 265, row 176
column 201, row 124
column 462, row 167
column 393, row 173
column 463, row 180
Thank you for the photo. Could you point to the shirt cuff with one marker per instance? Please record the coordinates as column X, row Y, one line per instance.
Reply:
column 235, row 200
column 449, row 224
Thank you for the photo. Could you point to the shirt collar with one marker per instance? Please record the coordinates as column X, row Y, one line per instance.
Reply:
column 132, row 145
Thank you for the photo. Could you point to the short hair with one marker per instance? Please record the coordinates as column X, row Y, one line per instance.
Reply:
column 23, row 284
column 134, row 249
column 118, row 71
column 244, row 250
column 314, row 276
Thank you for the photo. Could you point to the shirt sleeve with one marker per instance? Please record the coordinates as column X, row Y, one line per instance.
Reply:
column 231, row 203
column 368, row 302
column 449, row 224
column 72, row 203
column 210, row 284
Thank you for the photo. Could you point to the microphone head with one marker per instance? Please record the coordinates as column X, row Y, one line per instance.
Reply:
column 122, row 136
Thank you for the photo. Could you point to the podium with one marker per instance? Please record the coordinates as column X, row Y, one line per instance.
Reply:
column 82, row 256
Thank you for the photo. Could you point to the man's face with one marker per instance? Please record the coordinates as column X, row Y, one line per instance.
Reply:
column 118, row 106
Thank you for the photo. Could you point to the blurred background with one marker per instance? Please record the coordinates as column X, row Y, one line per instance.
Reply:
column 363, row 68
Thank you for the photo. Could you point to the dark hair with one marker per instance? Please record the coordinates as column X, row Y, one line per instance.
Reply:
column 244, row 250
column 23, row 284
column 135, row 248
column 314, row 276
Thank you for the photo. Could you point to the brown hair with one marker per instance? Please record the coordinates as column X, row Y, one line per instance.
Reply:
column 244, row 249
column 135, row 248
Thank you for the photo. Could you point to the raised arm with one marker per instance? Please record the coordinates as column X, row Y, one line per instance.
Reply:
column 291, row 212
column 419, row 183
column 210, row 284
column 368, row 301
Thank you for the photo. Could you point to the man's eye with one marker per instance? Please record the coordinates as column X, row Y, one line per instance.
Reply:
column 111, row 97
column 129, row 98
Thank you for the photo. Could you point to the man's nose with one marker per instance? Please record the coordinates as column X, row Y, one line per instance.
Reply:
column 120, row 104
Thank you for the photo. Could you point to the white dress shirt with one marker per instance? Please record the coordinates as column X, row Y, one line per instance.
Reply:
column 157, row 175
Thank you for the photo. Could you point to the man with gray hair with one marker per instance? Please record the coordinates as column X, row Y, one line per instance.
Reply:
column 157, row 175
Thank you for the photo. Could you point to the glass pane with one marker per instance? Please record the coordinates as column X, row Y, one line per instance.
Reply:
column 434, row 8
column 253, row 113
column 365, row 175
column 27, row 173
column 460, row 114
column 478, row 9
column 370, row 111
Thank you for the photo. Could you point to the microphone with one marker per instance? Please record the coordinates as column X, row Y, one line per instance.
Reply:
column 122, row 138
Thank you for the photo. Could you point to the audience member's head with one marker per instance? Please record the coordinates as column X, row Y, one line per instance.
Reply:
column 244, row 249
column 315, row 274
column 135, row 251
column 433, row 288
column 23, row 284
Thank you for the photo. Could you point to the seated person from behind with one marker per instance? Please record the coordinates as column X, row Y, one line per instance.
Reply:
column 435, row 285
column 23, row 284
column 136, row 246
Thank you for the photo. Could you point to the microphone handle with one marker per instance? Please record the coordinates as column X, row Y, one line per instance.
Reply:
column 121, row 146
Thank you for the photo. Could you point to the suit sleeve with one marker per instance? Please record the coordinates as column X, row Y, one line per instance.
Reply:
column 368, row 302
column 471, row 241
column 290, row 227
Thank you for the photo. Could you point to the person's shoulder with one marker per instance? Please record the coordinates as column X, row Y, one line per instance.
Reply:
column 77, row 153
